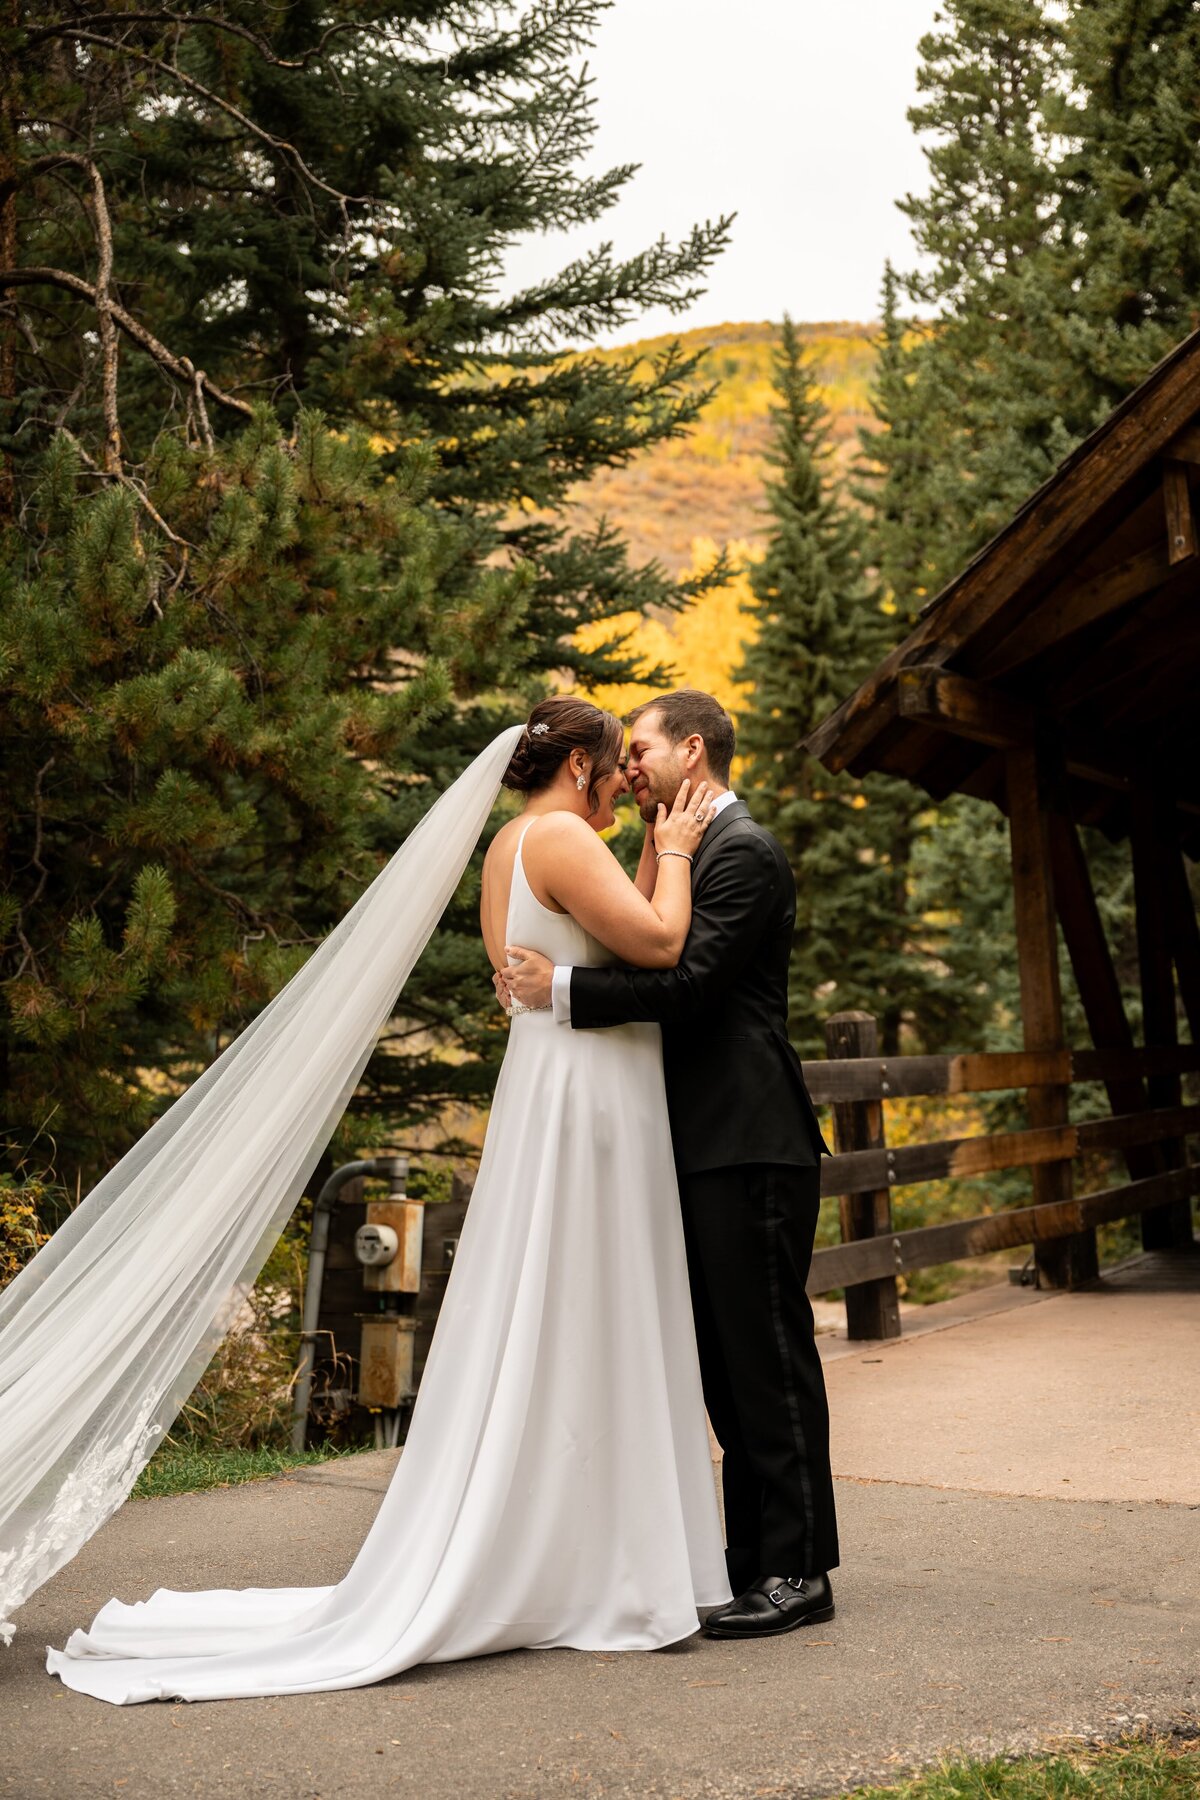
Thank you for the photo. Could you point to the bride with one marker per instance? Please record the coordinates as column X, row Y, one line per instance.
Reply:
column 556, row 1487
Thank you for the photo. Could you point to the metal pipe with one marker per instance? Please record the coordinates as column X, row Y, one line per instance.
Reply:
column 318, row 1245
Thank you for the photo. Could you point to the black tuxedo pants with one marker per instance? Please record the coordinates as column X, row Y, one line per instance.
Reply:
column 749, row 1233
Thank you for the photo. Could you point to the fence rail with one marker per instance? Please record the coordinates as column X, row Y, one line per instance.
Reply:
column 858, row 1171
column 911, row 1077
column 866, row 1259
column 863, row 1171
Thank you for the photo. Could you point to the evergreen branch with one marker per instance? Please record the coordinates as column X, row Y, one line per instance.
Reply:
column 142, row 498
column 225, row 106
column 234, row 901
column 180, row 367
column 562, row 110
column 60, row 28
column 541, row 37
column 593, row 293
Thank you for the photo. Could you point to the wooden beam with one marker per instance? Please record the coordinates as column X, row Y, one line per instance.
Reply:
column 973, row 710
column 981, row 714
column 1177, row 500
column 1070, row 1261
column 1118, row 1065
column 1146, row 702
column 1074, row 605
column 958, row 1159
column 842, row 1265
column 1153, row 846
column 1185, row 939
column 902, row 1076
column 1097, row 981
column 1134, row 643
column 966, row 708
column 1045, row 528
column 1185, row 447
column 891, row 1078
column 930, row 758
column 872, row 1307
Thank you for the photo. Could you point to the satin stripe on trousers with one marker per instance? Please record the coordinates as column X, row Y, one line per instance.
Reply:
column 749, row 1233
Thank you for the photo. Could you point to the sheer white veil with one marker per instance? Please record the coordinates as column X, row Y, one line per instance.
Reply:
column 105, row 1333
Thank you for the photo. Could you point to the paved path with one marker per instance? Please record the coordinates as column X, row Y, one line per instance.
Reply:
column 1010, row 1575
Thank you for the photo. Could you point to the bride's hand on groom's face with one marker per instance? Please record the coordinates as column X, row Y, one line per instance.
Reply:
column 681, row 829
column 530, row 978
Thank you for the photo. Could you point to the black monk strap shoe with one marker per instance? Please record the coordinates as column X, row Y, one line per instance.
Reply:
column 773, row 1604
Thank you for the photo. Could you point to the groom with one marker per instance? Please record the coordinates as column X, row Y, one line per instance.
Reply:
column 747, row 1148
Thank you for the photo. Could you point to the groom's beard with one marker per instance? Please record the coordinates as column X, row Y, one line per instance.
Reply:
column 659, row 791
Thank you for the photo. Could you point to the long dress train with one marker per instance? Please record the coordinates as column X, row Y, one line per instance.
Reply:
column 556, row 1488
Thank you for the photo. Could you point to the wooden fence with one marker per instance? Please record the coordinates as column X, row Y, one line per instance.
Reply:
column 862, row 1173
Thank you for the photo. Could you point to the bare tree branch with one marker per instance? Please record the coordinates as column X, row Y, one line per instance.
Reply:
column 202, row 410
column 102, row 226
column 35, row 861
column 180, row 367
column 225, row 106
column 139, row 494
column 61, row 28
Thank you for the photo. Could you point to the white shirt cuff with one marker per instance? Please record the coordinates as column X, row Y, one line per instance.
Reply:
column 560, row 994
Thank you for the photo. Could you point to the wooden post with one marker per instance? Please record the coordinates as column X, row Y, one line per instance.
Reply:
column 1152, row 836
column 872, row 1307
column 1185, row 941
column 1070, row 1261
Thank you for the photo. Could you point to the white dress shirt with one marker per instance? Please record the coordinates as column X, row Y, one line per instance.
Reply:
column 560, row 987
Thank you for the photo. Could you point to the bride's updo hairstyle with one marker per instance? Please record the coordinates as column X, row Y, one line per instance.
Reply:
column 555, row 728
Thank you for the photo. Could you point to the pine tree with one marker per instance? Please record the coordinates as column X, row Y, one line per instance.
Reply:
column 337, row 241
column 283, row 500
column 818, row 628
column 895, row 472
column 194, row 727
column 1059, row 232
column 933, row 985
column 1130, row 193
column 989, row 367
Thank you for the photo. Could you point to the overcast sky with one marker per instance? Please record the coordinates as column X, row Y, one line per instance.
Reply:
column 790, row 113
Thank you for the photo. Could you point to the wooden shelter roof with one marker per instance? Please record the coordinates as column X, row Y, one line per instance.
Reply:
column 1077, row 627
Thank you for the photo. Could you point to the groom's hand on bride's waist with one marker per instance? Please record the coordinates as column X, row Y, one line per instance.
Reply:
column 529, row 976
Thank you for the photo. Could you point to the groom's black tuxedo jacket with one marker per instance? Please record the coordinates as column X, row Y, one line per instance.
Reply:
column 735, row 1089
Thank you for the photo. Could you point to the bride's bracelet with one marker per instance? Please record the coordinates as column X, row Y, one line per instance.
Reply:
column 659, row 854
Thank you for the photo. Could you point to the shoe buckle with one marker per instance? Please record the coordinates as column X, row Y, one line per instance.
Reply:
column 795, row 1581
column 776, row 1596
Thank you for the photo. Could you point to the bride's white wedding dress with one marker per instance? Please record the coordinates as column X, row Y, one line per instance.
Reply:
column 556, row 1487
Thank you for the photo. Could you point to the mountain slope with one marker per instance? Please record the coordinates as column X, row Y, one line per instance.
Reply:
column 709, row 484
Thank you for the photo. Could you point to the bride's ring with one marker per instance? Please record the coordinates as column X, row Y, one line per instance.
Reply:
column 699, row 814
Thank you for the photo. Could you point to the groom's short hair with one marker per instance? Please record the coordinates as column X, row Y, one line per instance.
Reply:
column 689, row 712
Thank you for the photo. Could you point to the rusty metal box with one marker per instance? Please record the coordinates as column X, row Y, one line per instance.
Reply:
column 385, row 1376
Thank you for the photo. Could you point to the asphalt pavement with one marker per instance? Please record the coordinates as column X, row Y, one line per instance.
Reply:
column 1019, row 1497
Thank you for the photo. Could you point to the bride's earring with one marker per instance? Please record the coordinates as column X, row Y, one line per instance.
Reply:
column 581, row 783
